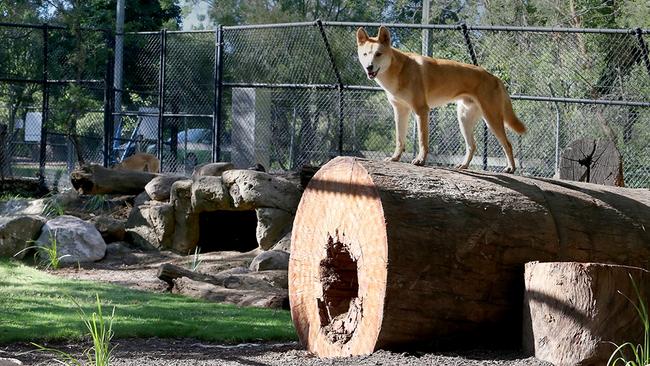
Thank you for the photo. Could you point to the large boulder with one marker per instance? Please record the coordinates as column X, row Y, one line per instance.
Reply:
column 209, row 194
column 270, row 260
column 151, row 226
column 110, row 228
column 251, row 189
column 159, row 188
column 284, row 244
column 76, row 240
column 186, row 233
column 17, row 233
column 272, row 224
column 212, row 169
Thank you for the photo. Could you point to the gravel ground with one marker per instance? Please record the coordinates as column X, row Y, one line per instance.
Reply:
column 162, row 352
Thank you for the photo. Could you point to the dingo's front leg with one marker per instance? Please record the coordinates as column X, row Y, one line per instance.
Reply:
column 422, row 116
column 401, row 114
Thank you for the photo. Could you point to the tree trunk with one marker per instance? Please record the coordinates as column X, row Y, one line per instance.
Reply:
column 95, row 179
column 389, row 255
column 573, row 311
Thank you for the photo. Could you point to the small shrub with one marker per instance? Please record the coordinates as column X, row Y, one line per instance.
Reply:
column 46, row 256
column 96, row 203
column 640, row 353
column 196, row 260
column 100, row 330
column 53, row 207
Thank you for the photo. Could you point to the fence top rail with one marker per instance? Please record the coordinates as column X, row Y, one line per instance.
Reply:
column 271, row 25
column 490, row 27
column 49, row 26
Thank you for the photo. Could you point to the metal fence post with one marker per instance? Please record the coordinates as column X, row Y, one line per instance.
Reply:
column 109, row 97
column 644, row 48
column 217, row 122
column 319, row 23
column 472, row 55
column 44, row 110
column 161, row 95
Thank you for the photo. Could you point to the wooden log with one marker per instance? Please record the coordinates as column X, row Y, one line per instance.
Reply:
column 95, row 179
column 389, row 255
column 169, row 272
column 592, row 161
column 573, row 311
column 267, row 298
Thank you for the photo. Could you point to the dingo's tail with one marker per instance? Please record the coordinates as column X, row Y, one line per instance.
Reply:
column 509, row 115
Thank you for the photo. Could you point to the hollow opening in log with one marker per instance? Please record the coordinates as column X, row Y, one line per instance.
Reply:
column 340, row 306
column 227, row 231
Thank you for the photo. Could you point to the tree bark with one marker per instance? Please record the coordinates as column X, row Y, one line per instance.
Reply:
column 95, row 179
column 389, row 255
column 573, row 311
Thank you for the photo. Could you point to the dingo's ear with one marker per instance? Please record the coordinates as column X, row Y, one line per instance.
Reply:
column 384, row 36
column 362, row 36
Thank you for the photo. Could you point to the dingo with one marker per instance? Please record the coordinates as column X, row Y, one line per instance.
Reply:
column 141, row 162
column 417, row 83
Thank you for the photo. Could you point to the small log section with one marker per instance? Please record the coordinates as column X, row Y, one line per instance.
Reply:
column 390, row 255
column 572, row 311
column 95, row 179
column 592, row 161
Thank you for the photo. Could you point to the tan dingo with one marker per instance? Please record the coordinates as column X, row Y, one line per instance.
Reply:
column 415, row 83
column 141, row 162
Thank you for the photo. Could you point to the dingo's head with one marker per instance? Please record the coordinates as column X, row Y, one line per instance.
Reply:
column 374, row 52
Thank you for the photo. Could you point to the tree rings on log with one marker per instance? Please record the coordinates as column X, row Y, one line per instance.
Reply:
column 390, row 255
column 592, row 161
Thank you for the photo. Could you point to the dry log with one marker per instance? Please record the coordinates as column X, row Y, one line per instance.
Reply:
column 592, row 161
column 262, row 281
column 95, row 179
column 169, row 272
column 389, row 255
column 267, row 298
column 573, row 311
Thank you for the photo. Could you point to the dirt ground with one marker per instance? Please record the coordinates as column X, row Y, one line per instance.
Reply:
column 181, row 352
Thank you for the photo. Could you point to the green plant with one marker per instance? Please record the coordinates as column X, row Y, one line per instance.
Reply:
column 53, row 207
column 196, row 260
column 96, row 203
column 100, row 330
column 640, row 352
column 46, row 256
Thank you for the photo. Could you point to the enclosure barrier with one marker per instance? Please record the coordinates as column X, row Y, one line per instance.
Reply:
column 286, row 95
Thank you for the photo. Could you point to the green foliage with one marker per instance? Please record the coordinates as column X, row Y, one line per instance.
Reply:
column 100, row 330
column 46, row 255
column 36, row 307
column 639, row 354
column 97, row 202
column 53, row 207
column 196, row 260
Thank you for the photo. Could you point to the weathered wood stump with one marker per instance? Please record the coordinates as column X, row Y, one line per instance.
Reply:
column 390, row 255
column 592, row 161
column 573, row 311
column 95, row 179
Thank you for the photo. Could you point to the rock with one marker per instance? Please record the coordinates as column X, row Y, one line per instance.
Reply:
column 277, row 278
column 212, row 169
column 186, row 233
column 141, row 199
column 151, row 226
column 284, row 244
column 267, row 298
column 9, row 362
column 76, row 240
column 118, row 248
column 273, row 259
column 232, row 271
column 159, row 188
column 209, row 194
column 110, row 228
column 272, row 224
column 251, row 189
column 17, row 233
column 20, row 207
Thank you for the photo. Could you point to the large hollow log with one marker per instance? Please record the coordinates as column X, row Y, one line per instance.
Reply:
column 389, row 255
column 95, row 179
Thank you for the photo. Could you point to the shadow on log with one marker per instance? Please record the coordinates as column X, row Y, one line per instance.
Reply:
column 95, row 179
column 390, row 255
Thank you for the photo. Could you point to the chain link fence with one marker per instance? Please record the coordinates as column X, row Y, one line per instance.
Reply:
column 285, row 95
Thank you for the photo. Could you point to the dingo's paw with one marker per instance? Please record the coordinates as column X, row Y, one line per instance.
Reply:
column 462, row 166
column 418, row 161
column 508, row 170
column 392, row 158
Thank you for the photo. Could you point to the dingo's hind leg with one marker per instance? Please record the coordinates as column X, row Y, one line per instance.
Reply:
column 494, row 120
column 468, row 113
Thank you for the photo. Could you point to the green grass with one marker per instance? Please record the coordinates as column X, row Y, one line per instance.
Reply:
column 35, row 307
